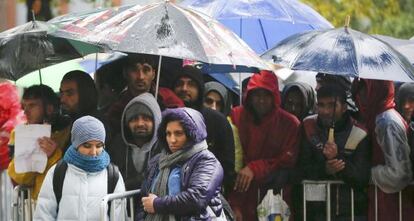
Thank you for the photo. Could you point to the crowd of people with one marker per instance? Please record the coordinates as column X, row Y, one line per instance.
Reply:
column 196, row 155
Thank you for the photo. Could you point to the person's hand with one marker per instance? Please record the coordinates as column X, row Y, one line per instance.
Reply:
column 330, row 150
column 243, row 180
column 333, row 166
column 148, row 203
column 47, row 145
column 237, row 214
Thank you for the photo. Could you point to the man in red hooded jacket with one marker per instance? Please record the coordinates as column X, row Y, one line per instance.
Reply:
column 391, row 165
column 269, row 138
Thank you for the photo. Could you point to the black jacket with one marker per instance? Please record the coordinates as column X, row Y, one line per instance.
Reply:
column 357, row 162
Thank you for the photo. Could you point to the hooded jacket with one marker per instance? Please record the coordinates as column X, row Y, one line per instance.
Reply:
column 308, row 95
column 352, row 142
column 391, row 166
column 268, row 146
column 201, row 175
column 131, row 159
column 405, row 91
column 219, row 132
column 223, row 92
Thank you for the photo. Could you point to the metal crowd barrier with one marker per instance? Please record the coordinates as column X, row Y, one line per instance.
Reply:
column 6, row 190
column 118, row 196
column 327, row 184
column 23, row 204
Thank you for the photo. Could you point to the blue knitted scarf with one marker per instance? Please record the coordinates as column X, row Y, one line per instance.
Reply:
column 87, row 163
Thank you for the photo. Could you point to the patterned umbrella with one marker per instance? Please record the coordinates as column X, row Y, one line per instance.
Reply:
column 166, row 29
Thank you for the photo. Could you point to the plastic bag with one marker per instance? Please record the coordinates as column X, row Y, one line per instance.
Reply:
column 273, row 208
column 214, row 217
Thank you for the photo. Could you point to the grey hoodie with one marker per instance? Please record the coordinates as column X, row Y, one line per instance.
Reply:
column 124, row 150
column 139, row 153
column 219, row 88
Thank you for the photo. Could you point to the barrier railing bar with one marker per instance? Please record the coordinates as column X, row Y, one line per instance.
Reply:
column 328, row 202
column 131, row 207
column 114, row 196
column 352, row 205
column 400, row 205
column 304, row 201
column 376, row 203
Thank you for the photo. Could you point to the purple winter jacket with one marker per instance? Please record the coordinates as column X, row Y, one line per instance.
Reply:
column 201, row 178
column 201, row 175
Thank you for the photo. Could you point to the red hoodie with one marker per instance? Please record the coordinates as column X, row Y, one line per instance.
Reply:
column 268, row 146
column 378, row 97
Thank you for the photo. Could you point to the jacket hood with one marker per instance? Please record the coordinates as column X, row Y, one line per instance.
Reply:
column 197, row 76
column 149, row 101
column 379, row 97
column 266, row 80
column 308, row 95
column 405, row 91
column 192, row 121
column 219, row 88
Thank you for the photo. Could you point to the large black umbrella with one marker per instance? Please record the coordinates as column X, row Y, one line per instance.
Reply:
column 30, row 47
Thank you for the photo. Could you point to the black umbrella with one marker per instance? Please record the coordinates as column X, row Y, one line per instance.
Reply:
column 29, row 47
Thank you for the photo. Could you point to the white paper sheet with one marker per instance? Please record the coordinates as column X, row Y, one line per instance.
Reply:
column 28, row 157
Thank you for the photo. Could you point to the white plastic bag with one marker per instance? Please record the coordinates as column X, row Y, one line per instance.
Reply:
column 213, row 216
column 273, row 207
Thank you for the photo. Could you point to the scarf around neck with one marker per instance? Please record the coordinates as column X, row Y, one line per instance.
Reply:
column 165, row 162
column 87, row 163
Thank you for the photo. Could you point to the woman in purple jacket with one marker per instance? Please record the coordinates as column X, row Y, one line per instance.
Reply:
column 183, row 182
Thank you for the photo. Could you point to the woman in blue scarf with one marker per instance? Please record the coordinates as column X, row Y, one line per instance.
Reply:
column 183, row 182
column 86, row 178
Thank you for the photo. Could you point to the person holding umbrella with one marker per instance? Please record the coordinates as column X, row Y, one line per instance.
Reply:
column 391, row 169
column 347, row 158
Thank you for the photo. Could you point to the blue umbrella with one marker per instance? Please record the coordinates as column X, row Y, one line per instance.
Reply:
column 262, row 23
column 342, row 51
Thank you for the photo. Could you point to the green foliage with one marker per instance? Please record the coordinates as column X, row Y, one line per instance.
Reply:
column 386, row 17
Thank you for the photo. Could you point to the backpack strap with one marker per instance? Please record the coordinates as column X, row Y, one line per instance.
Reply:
column 58, row 179
column 113, row 177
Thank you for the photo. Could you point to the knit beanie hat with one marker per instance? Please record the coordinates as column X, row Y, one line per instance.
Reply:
column 137, row 109
column 86, row 129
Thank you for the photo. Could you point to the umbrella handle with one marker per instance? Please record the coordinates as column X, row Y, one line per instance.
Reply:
column 331, row 135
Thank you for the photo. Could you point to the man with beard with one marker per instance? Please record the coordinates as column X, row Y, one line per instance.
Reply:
column 137, row 142
column 345, row 158
column 139, row 72
column 269, row 140
column 188, row 85
column 79, row 97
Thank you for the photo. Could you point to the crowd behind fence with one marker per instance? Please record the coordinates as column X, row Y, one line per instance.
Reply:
column 22, row 206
